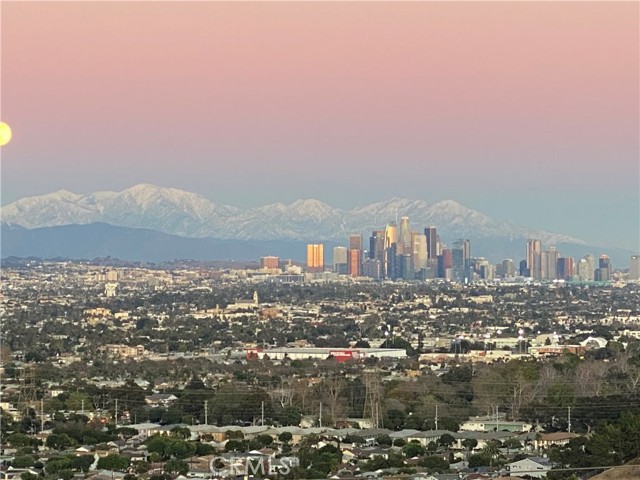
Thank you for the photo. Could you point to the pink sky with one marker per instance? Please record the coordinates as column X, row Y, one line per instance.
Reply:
column 470, row 101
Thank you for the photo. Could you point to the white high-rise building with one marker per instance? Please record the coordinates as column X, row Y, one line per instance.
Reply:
column 634, row 268
column 419, row 251
column 404, row 237
column 586, row 268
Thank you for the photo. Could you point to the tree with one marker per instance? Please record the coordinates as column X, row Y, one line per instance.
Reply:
column 264, row 440
column 469, row 444
column 478, row 460
column 434, row 464
column 24, row 461
column 285, row 437
column 141, row 467
column 176, row 466
column 17, row 440
column 60, row 441
column 384, row 440
column 113, row 462
column 181, row 432
column 491, row 450
column 446, row 440
column 413, row 449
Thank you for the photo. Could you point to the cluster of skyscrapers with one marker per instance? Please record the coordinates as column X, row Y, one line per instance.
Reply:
column 549, row 265
column 397, row 252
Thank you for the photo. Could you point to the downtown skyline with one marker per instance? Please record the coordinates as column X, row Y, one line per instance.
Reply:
column 523, row 111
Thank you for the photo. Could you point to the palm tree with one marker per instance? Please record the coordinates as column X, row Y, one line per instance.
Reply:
column 491, row 450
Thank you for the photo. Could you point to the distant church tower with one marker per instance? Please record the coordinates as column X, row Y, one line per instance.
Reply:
column 255, row 298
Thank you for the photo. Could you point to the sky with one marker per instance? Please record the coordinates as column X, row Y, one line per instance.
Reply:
column 525, row 111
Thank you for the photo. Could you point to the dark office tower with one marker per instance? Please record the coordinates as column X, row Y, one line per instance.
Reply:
column 405, row 262
column 445, row 262
column 534, row 249
column 376, row 245
column 391, row 264
column 524, row 270
column 372, row 268
column 432, row 242
column 565, row 268
column 466, row 251
column 353, row 260
column 604, row 271
column 461, row 260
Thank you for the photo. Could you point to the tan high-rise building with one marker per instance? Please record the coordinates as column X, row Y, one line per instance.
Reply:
column 419, row 251
column 404, row 237
column 549, row 264
column 315, row 257
column 390, row 235
column 534, row 251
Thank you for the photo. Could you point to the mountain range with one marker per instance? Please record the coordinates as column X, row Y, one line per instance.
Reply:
column 177, row 217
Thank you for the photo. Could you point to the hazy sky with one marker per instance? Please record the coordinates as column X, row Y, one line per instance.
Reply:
column 528, row 112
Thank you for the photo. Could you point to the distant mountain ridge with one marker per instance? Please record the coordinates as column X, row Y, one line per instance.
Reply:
column 186, row 214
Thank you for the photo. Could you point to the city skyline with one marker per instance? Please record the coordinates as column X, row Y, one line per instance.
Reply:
column 518, row 110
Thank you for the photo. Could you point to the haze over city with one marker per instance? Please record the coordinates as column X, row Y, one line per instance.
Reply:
column 527, row 112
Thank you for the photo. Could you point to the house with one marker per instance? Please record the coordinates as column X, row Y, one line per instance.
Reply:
column 160, row 399
column 428, row 436
column 546, row 440
column 534, row 467
column 145, row 429
column 494, row 423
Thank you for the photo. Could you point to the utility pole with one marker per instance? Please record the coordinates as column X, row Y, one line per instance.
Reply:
column 497, row 419
column 116, row 413
column 262, row 413
column 320, row 414
column 569, row 419
column 82, row 409
column 41, row 415
column 206, row 412
column 436, row 416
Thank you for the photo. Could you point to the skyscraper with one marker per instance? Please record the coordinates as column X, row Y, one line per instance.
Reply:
column 603, row 273
column 534, row 249
column 565, row 268
column 376, row 245
column 404, row 236
column 549, row 264
column 269, row 262
column 354, row 262
column 586, row 268
column 432, row 242
column 419, row 251
column 390, row 241
column 634, row 268
column 355, row 241
column 340, row 265
column 508, row 268
column 315, row 257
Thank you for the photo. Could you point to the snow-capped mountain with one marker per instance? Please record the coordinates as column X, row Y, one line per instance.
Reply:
column 187, row 214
